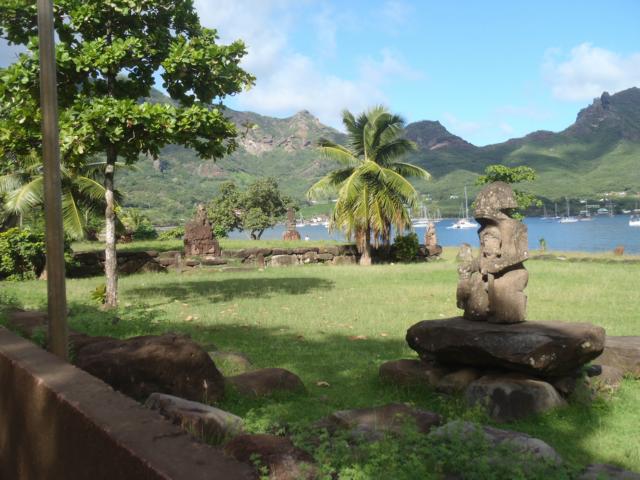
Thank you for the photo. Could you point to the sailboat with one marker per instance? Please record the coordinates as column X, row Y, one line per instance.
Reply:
column 423, row 220
column 544, row 214
column 464, row 222
column 568, row 218
column 585, row 215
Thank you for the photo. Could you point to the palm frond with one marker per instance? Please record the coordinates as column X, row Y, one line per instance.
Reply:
column 72, row 218
column 25, row 198
column 387, row 152
column 410, row 170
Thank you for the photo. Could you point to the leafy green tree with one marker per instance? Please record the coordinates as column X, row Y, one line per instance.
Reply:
column 502, row 173
column 82, row 194
column 108, row 56
column 263, row 206
column 372, row 185
column 259, row 207
column 224, row 210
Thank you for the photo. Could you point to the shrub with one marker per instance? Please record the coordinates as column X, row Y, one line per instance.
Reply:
column 22, row 254
column 405, row 247
column 138, row 226
column 174, row 233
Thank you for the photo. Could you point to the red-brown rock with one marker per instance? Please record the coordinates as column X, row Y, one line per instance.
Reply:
column 373, row 423
column 546, row 349
column 622, row 353
column 407, row 372
column 266, row 381
column 512, row 396
column 283, row 460
column 140, row 366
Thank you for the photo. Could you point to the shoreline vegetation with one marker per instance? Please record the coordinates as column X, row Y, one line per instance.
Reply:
column 238, row 244
column 337, row 326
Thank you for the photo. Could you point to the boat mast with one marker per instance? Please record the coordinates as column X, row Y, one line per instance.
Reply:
column 466, row 203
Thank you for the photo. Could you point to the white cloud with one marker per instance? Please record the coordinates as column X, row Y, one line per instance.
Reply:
column 460, row 127
column 397, row 12
column 587, row 71
column 391, row 65
column 287, row 79
column 300, row 85
column 506, row 128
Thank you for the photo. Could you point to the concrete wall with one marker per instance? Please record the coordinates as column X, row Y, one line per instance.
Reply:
column 59, row 422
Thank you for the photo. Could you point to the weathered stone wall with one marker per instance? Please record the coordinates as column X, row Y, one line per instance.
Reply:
column 58, row 422
column 92, row 263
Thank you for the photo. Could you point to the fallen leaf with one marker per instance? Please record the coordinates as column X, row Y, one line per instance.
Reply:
column 384, row 334
column 358, row 337
column 189, row 318
column 322, row 383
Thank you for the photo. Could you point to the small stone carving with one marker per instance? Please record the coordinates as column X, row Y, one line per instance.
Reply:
column 198, row 236
column 291, row 233
column 490, row 287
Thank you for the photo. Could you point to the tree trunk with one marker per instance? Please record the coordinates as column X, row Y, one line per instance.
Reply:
column 110, row 259
column 365, row 258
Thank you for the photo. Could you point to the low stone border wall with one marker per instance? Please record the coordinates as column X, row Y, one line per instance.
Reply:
column 57, row 421
column 92, row 263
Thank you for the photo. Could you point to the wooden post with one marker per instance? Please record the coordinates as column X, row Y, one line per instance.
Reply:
column 56, row 291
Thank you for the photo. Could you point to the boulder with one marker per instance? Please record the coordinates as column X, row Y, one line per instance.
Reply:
column 411, row 373
column 238, row 362
column 324, row 257
column 457, row 381
column 213, row 261
column 283, row 260
column 512, row 396
column 600, row 471
column 140, row 366
column 330, row 250
column 609, row 379
column 546, row 349
column 373, row 423
column 344, row 260
column 622, row 353
column 204, row 421
column 518, row 442
column 266, row 381
column 283, row 460
column 281, row 251
column 310, row 257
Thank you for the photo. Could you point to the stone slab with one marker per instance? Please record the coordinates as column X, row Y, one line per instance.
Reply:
column 545, row 349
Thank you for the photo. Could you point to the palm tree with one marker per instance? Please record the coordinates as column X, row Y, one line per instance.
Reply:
column 372, row 185
column 82, row 194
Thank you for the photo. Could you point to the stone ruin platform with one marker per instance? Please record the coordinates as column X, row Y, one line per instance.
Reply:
column 511, row 370
column 545, row 349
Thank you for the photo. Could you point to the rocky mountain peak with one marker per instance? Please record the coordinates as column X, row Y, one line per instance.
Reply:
column 430, row 135
column 618, row 113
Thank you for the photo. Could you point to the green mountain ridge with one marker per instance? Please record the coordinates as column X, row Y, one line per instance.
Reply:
column 598, row 153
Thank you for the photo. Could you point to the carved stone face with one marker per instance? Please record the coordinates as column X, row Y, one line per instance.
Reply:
column 491, row 242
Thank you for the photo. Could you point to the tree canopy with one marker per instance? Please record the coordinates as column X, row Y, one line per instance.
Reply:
column 373, row 190
column 109, row 55
column 502, row 173
column 259, row 207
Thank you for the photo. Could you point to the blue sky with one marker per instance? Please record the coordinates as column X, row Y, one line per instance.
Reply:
column 487, row 70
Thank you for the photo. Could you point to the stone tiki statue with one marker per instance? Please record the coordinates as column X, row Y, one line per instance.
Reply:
column 490, row 288
column 198, row 236
column 291, row 233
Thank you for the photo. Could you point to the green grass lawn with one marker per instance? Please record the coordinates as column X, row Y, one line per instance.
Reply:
column 306, row 319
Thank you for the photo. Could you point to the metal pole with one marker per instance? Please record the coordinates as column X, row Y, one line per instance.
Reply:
column 56, row 291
